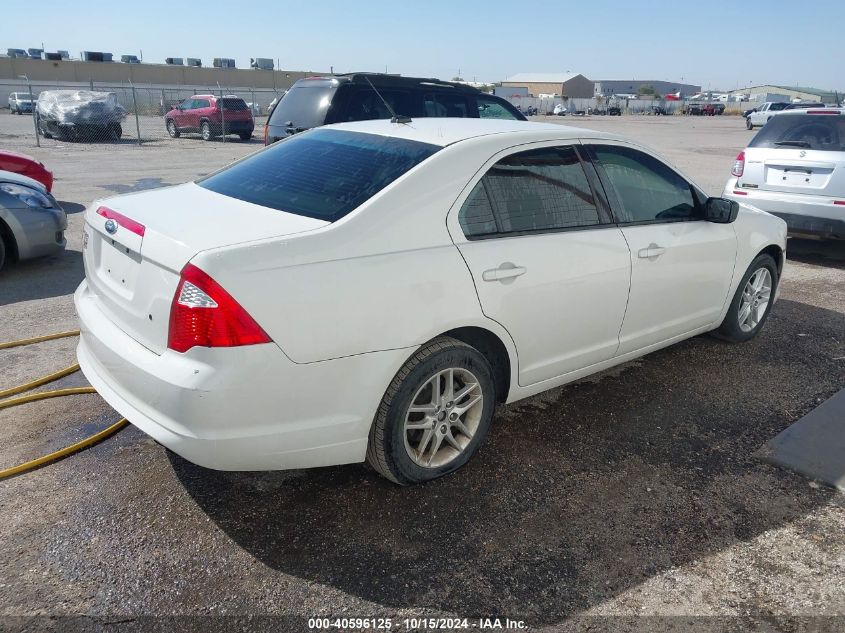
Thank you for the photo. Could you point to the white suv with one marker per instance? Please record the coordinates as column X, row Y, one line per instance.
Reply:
column 20, row 102
column 795, row 168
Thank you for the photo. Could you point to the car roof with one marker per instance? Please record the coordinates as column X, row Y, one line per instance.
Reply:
column 383, row 80
column 443, row 132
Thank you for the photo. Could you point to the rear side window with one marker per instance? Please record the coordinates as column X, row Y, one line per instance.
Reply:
column 824, row 132
column 201, row 103
column 444, row 104
column 364, row 105
column 538, row 190
column 305, row 105
column 232, row 104
column 321, row 174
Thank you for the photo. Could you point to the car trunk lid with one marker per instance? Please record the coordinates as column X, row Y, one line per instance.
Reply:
column 794, row 170
column 135, row 246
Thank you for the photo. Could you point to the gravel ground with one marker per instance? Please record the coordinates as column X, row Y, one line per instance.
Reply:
column 631, row 500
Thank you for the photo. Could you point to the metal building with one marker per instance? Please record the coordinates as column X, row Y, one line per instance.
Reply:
column 571, row 85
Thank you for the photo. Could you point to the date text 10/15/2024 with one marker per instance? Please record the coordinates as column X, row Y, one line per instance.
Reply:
column 414, row 624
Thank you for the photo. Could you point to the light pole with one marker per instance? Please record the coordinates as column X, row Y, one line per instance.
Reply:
column 32, row 101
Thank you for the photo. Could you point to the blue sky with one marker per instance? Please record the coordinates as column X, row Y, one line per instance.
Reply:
column 717, row 44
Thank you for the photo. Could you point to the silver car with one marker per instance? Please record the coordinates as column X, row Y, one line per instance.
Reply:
column 20, row 103
column 32, row 223
column 794, row 168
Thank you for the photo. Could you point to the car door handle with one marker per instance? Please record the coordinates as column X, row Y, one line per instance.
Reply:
column 504, row 271
column 653, row 250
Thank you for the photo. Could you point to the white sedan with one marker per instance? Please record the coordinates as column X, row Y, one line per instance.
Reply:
column 371, row 290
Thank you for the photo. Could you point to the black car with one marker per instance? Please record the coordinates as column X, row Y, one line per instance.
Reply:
column 316, row 101
column 614, row 111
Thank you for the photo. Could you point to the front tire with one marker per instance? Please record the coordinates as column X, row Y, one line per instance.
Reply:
column 434, row 415
column 172, row 130
column 114, row 131
column 752, row 301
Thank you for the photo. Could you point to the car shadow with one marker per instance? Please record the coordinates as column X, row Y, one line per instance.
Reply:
column 829, row 253
column 578, row 495
column 71, row 207
column 53, row 276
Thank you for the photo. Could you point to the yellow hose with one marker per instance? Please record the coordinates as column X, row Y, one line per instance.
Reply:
column 39, row 339
column 43, row 395
column 64, row 452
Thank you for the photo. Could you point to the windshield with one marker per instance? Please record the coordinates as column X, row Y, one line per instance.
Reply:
column 321, row 174
column 825, row 132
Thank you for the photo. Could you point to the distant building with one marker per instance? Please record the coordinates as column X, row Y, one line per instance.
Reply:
column 757, row 93
column 563, row 84
column 609, row 87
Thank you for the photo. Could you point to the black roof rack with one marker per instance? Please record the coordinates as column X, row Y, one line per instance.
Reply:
column 382, row 79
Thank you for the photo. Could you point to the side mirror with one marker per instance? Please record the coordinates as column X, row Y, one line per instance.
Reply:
column 720, row 210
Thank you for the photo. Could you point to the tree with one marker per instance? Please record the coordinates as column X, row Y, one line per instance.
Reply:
column 647, row 90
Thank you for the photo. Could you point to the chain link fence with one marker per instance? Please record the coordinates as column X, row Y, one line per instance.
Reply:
column 123, row 114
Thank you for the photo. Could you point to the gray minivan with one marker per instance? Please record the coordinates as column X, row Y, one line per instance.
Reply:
column 316, row 101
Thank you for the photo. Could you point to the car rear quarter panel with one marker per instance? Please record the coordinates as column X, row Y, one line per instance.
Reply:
column 387, row 276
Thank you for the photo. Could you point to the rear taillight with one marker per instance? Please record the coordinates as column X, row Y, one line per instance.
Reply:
column 127, row 223
column 203, row 314
column 266, row 129
column 739, row 165
column 841, row 203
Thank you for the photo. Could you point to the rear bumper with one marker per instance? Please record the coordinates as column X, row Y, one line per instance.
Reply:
column 804, row 214
column 236, row 127
column 240, row 408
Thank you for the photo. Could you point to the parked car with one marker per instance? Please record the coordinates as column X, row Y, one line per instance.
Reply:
column 26, row 166
column 20, row 103
column 208, row 114
column 344, row 295
column 659, row 110
column 76, row 115
column 747, row 113
column 794, row 168
column 559, row 110
column 32, row 223
column 614, row 111
column 762, row 114
column 712, row 109
column 316, row 101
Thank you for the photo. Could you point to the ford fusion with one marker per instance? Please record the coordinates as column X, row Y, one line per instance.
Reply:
column 371, row 290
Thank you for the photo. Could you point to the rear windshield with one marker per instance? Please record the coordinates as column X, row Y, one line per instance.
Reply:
column 234, row 104
column 321, row 174
column 304, row 105
column 824, row 132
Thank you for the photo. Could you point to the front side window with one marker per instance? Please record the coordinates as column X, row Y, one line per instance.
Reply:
column 493, row 109
column 200, row 103
column 188, row 104
column 534, row 191
column 321, row 174
column 648, row 190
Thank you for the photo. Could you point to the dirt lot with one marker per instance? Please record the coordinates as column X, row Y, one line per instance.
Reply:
column 628, row 501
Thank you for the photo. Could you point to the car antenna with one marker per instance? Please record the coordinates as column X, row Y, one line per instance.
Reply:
column 397, row 118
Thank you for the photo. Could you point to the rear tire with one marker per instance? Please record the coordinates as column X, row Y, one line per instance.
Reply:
column 420, row 434
column 172, row 130
column 205, row 131
column 245, row 136
column 751, row 305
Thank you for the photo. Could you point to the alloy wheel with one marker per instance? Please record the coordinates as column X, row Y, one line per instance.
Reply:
column 443, row 417
column 755, row 299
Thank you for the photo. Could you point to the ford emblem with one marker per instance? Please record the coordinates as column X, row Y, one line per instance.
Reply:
column 111, row 227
